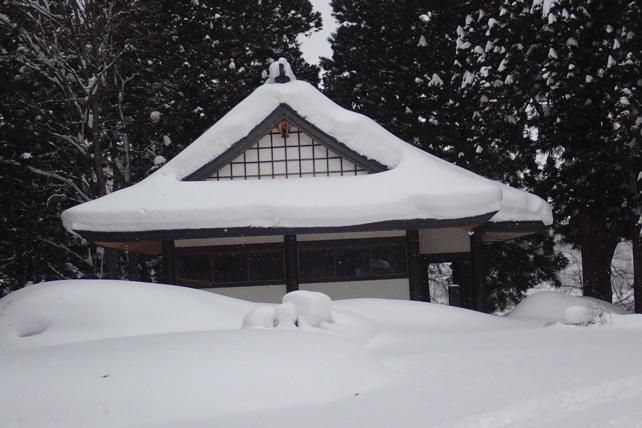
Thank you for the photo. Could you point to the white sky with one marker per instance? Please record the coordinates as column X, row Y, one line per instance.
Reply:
column 316, row 45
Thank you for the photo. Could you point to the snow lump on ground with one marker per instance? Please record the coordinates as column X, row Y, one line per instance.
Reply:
column 554, row 306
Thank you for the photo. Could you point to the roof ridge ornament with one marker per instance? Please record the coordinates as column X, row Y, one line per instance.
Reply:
column 280, row 72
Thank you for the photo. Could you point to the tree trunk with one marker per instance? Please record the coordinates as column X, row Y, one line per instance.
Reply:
column 597, row 245
column 110, row 267
column 134, row 268
column 637, row 270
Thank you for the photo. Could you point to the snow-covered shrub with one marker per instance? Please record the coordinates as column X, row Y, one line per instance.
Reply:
column 299, row 308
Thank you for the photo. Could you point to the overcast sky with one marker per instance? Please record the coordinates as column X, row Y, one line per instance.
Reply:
column 317, row 44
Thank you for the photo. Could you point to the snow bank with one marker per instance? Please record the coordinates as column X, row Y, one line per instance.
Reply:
column 409, row 315
column 553, row 306
column 378, row 363
column 94, row 353
column 79, row 310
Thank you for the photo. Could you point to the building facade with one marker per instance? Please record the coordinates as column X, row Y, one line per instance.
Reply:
column 290, row 191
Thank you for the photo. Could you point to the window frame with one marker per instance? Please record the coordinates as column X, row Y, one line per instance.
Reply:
column 333, row 246
column 247, row 250
column 344, row 244
column 333, row 163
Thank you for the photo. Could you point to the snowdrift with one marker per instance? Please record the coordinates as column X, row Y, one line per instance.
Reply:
column 120, row 354
column 552, row 306
column 75, row 311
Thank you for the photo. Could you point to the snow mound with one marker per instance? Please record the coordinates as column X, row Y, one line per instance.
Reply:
column 552, row 306
column 313, row 308
column 421, row 316
column 79, row 310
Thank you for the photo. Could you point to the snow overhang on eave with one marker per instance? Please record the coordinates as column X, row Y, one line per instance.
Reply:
column 416, row 191
column 113, row 236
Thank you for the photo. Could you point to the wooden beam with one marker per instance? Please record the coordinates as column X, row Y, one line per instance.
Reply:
column 151, row 248
column 169, row 262
column 416, row 275
column 291, row 264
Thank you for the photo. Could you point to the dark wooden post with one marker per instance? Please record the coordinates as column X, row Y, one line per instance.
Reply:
column 169, row 263
column 415, row 267
column 463, row 275
column 425, row 279
column 454, row 295
column 291, row 264
column 481, row 292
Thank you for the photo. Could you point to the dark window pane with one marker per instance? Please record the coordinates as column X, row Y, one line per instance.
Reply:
column 266, row 267
column 388, row 260
column 229, row 268
column 316, row 264
column 352, row 262
column 193, row 267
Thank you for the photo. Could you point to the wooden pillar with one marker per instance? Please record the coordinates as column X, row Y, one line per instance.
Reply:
column 291, row 264
column 463, row 275
column 454, row 295
column 169, row 263
column 478, row 271
column 425, row 279
column 416, row 275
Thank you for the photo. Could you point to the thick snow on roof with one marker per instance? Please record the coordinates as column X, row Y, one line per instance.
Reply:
column 416, row 186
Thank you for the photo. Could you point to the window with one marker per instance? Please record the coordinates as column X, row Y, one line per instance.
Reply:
column 357, row 259
column 316, row 263
column 319, row 261
column 261, row 264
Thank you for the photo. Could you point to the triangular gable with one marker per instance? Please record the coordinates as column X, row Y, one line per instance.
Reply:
column 270, row 151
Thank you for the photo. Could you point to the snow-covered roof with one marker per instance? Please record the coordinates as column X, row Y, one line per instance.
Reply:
column 415, row 186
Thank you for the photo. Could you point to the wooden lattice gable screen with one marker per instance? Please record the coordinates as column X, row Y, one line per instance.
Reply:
column 285, row 145
column 287, row 155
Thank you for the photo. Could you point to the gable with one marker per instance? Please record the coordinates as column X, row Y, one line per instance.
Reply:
column 291, row 154
column 284, row 146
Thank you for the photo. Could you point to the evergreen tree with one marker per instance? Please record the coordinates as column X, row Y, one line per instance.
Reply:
column 573, row 68
column 215, row 53
column 96, row 95
column 391, row 62
column 404, row 64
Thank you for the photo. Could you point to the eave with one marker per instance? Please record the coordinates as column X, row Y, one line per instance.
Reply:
column 175, row 234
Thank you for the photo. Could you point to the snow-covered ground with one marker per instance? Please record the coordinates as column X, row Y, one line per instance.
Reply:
column 621, row 274
column 120, row 354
